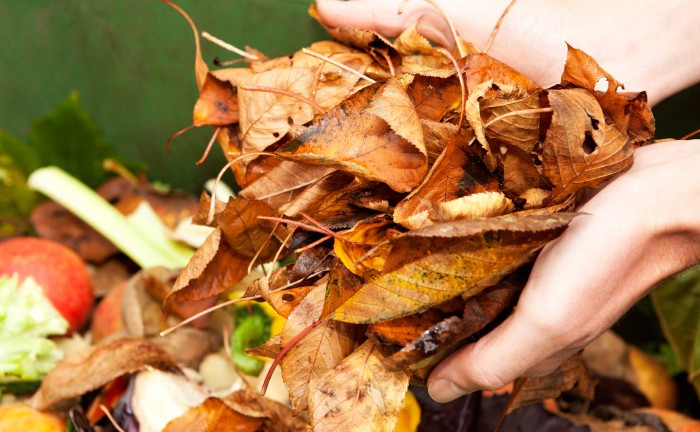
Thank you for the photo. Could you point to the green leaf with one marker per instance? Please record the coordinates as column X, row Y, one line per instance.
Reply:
column 69, row 139
column 677, row 304
column 17, row 160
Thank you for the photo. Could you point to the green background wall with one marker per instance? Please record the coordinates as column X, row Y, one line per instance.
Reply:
column 132, row 63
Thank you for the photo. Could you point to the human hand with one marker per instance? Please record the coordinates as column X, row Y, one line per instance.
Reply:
column 641, row 228
column 623, row 36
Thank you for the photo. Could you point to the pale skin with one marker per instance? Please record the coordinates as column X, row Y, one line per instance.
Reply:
column 637, row 230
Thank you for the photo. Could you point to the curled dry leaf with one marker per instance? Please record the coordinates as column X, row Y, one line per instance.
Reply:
column 217, row 104
column 359, row 392
column 584, row 155
column 349, row 138
column 213, row 269
column 91, row 369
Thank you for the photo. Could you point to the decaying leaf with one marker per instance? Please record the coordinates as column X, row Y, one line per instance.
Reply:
column 323, row 347
column 213, row 415
column 213, row 269
column 359, row 392
column 89, row 370
column 572, row 374
column 581, row 149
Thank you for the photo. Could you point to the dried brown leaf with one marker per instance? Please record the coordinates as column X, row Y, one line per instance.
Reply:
column 217, row 104
column 213, row 415
column 581, row 149
column 359, row 392
column 213, row 269
column 348, row 138
column 629, row 112
column 283, row 183
column 572, row 375
column 267, row 117
column 357, row 247
column 321, row 349
column 91, row 369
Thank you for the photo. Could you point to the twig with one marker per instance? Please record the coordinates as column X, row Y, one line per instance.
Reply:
column 462, row 84
column 111, row 419
column 514, row 113
column 209, row 146
column 229, row 47
column 206, row 311
column 693, row 133
column 489, row 42
column 335, row 63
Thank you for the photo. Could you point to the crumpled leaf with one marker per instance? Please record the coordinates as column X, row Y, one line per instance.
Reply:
column 585, row 155
column 456, row 173
column 433, row 97
column 417, row 51
column 217, row 104
column 276, row 416
column 321, row 349
column 572, row 375
column 91, row 369
column 266, row 117
column 359, row 392
column 357, row 247
column 213, row 269
column 431, row 265
column 509, row 122
column 347, row 138
column 446, row 336
column 210, row 416
column 628, row 111
column 246, row 233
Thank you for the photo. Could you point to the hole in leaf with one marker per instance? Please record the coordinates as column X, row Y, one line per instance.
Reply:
column 589, row 144
column 276, row 134
column 290, row 120
column 288, row 298
column 601, row 85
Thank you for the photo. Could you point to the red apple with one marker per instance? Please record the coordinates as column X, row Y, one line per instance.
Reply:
column 57, row 269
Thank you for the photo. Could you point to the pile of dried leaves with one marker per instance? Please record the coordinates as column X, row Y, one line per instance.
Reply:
column 407, row 190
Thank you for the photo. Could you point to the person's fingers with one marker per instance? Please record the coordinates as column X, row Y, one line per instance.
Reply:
column 382, row 16
column 517, row 347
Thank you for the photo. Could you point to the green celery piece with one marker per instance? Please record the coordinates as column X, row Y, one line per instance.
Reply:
column 251, row 330
column 147, row 247
column 677, row 305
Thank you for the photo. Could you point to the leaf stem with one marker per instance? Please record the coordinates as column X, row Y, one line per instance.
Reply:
column 205, row 312
column 489, row 42
column 227, row 46
column 335, row 63
column 209, row 146
column 284, row 350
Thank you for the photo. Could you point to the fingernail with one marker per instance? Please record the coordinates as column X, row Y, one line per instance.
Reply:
column 444, row 390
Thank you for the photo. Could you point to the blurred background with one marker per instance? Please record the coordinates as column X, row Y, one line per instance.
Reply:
column 131, row 61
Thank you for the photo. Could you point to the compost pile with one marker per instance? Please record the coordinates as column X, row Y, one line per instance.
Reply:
column 404, row 198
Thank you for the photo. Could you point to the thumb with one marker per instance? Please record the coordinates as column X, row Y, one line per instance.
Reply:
column 521, row 345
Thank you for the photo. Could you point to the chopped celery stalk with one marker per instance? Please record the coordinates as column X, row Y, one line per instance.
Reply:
column 146, row 247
